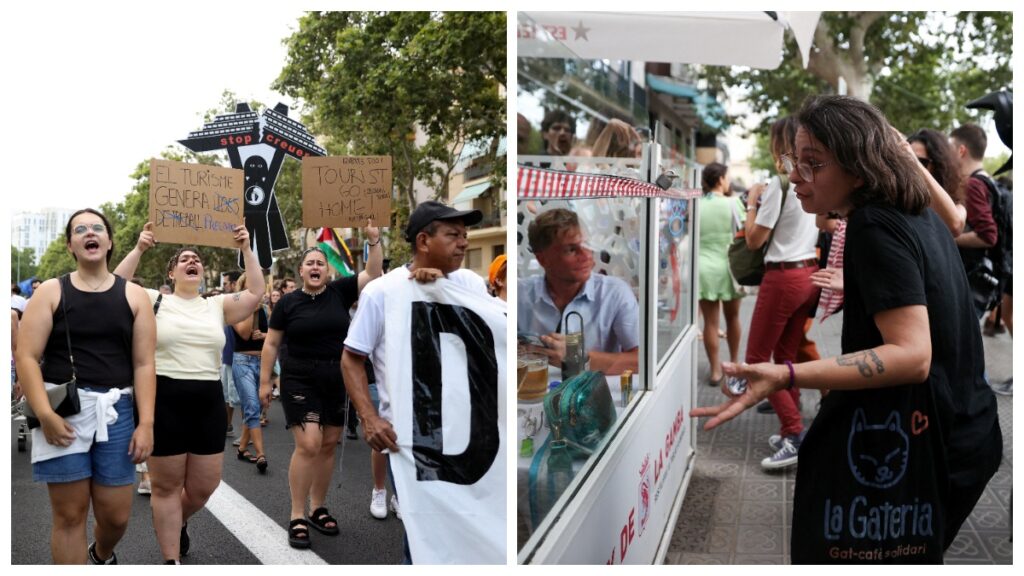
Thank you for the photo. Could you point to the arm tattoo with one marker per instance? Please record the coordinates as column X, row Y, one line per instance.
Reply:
column 237, row 296
column 860, row 360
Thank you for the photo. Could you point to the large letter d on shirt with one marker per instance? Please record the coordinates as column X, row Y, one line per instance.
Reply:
column 429, row 321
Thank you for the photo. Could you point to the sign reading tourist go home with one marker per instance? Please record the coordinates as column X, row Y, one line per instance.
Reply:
column 343, row 191
column 258, row 143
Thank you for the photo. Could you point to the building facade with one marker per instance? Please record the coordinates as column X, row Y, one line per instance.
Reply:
column 37, row 230
column 471, row 188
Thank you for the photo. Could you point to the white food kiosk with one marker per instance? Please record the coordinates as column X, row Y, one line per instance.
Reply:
column 620, row 501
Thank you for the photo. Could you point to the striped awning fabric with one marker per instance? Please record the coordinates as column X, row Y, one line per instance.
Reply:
column 543, row 183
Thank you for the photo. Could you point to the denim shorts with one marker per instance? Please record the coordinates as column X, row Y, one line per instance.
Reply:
column 107, row 463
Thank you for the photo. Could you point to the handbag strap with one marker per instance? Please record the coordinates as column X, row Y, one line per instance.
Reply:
column 64, row 281
column 784, row 184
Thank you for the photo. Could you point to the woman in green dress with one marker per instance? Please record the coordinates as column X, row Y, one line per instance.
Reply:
column 721, row 214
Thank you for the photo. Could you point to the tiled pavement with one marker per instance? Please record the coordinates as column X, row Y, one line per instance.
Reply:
column 736, row 513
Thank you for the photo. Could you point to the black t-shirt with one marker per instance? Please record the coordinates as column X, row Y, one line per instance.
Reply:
column 893, row 260
column 316, row 327
column 889, row 474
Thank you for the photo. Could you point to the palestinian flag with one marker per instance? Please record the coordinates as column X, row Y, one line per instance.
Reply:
column 338, row 255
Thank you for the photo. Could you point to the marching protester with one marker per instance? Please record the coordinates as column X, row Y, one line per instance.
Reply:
column 227, row 377
column 190, row 422
column 313, row 323
column 909, row 423
column 95, row 329
column 248, row 336
column 496, row 275
column 275, row 389
column 438, row 234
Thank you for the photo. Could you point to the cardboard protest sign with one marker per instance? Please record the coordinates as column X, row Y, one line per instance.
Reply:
column 194, row 203
column 343, row 191
column 258, row 144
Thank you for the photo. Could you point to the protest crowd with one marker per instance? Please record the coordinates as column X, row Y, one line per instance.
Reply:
column 150, row 379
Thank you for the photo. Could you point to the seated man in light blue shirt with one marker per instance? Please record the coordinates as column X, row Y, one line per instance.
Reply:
column 609, row 309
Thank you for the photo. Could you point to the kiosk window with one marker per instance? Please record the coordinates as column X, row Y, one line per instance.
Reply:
column 578, row 320
column 675, row 272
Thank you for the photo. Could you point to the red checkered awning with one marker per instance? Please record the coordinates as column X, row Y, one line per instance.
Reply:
column 542, row 183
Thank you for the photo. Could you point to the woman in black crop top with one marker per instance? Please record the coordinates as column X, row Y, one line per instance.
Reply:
column 313, row 322
column 113, row 337
column 245, row 368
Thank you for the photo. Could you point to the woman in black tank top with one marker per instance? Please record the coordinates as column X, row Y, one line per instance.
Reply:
column 113, row 337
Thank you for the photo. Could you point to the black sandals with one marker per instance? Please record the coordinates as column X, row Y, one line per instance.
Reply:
column 320, row 518
column 298, row 533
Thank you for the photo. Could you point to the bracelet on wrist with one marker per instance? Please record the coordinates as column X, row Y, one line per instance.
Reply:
column 792, row 375
column 373, row 243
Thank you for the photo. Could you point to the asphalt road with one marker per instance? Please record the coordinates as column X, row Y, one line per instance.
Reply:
column 245, row 521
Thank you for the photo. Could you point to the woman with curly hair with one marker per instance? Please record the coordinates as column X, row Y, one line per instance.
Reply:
column 190, row 421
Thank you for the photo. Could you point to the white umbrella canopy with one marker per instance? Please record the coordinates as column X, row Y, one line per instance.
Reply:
column 712, row 38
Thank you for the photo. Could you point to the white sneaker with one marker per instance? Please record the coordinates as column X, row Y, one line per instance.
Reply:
column 276, row 393
column 379, row 504
column 783, row 458
column 775, row 441
column 145, row 488
column 394, row 506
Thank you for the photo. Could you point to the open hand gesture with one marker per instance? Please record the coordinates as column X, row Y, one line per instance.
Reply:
column 762, row 380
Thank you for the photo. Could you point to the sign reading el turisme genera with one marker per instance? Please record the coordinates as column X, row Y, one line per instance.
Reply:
column 194, row 203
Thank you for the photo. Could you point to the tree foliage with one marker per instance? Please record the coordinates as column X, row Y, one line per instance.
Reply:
column 919, row 68
column 56, row 260
column 23, row 263
column 131, row 214
column 370, row 79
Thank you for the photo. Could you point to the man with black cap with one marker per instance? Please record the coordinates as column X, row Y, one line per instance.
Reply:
column 437, row 233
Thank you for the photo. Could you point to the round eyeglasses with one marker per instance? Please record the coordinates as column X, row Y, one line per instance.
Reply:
column 83, row 228
column 806, row 170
